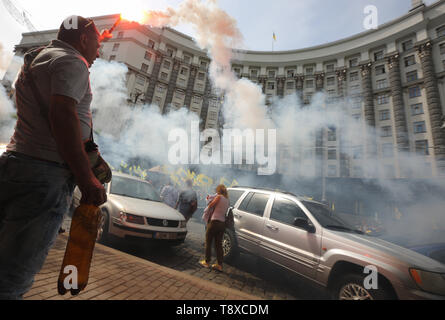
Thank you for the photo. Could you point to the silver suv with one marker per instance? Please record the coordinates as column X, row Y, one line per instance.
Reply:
column 306, row 238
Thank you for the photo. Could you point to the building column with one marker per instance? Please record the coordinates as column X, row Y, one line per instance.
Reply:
column 398, row 103
column 343, row 141
column 434, row 106
column 205, row 104
column 320, row 152
column 153, row 79
column 299, row 81
column 171, row 85
column 280, row 87
column 190, row 85
column 370, row 132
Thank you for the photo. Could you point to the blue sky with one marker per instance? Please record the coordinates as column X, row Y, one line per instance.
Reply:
column 296, row 23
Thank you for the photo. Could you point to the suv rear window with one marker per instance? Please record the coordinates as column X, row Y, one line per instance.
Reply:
column 234, row 195
column 255, row 203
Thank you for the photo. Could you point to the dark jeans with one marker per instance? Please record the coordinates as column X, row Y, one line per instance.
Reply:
column 215, row 231
column 34, row 197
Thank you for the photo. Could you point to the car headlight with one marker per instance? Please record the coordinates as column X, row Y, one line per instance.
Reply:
column 182, row 224
column 429, row 281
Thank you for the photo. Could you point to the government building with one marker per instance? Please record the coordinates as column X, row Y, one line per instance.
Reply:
column 392, row 78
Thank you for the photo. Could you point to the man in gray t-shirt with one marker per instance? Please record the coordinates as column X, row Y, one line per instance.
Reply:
column 46, row 154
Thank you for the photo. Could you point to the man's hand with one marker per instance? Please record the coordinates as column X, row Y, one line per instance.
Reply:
column 92, row 192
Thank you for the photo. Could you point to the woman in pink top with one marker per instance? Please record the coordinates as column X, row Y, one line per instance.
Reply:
column 216, row 226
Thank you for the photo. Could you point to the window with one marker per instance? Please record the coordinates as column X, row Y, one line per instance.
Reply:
column 271, row 86
column 382, row 99
column 442, row 48
column 167, row 64
column 409, row 61
column 353, row 62
column 356, row 103
column 378, row 55
column 120, row 35
column 290, row 85
column 140, row 80
column 382, row 84
column 290, row 73
column 234, row 195
column 440, row 31
column 254, row 73
column 380, row 70
column 164, row 76
column 411, row 76
column 286, row 211
column 332, row 171
column 309, row 83
column 417, row 109
column 170, row 52
column 255, row 203
column 357, row 116
column 385, row 115
column 419, row 127
column 237, row 71
column 179, row 95
column 201, row 76
column 116, row 46
column 161, row 89
column 330, row 68
column 386, row 132
column 112, row 58
column 203, row 64
column 387, row 150
column 151, row 44
column 332, row 134
column 355, row 88
column 422, row 148
column 310, row 71
column 332, row 154
column 184, row 71
column 414, row 92
column 407, row 45
column 271, row 74
column 187, row 59
column 144, row 68
column 357, row 152
column 330, row 81
column 148, row 55
column 353, row 76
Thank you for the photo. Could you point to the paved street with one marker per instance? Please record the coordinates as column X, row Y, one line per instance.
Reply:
column 247, row 274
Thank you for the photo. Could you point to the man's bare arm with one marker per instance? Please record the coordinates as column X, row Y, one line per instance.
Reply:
column 65, row 128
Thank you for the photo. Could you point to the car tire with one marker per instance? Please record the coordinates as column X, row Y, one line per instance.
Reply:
column 102, row 233
column 351, row 287
column 230, row 246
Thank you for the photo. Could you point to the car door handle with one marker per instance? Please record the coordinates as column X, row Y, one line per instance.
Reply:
column 238, row 216
column 272, row 227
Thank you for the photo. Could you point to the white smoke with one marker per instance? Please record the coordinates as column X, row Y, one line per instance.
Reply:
column 5, row 59
column 7, row 112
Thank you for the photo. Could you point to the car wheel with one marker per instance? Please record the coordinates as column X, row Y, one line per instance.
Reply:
column 102, row 232
column 230, row 247
column 351, row 287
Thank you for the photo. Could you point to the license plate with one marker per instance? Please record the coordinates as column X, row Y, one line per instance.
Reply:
column 165, row 236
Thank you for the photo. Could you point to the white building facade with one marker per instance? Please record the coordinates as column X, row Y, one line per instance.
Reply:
column 394, row 78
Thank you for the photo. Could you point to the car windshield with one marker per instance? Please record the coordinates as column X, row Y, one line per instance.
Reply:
column 134, row 189
column 325, row 217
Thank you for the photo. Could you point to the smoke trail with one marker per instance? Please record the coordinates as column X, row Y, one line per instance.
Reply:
column 5, row 59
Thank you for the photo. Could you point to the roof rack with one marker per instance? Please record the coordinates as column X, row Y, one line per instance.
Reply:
column 269, row 189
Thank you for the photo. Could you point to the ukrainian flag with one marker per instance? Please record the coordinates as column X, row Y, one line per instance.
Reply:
column 274, row 36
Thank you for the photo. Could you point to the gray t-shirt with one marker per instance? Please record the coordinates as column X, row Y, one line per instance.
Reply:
column 58, row 70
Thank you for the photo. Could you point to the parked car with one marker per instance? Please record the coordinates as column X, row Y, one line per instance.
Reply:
column 304, row 237
column 134, row 210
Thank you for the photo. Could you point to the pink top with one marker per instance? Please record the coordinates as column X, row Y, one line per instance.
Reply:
column 221, row 209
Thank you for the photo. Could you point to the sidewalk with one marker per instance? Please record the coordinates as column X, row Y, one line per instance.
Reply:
column 115, row 275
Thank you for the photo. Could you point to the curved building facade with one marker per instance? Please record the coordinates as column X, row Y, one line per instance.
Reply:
column 392, row 76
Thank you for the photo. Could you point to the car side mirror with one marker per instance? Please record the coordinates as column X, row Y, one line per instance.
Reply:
column 304, row 224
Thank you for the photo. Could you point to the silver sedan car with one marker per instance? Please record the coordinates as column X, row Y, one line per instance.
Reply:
column 134, row 211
